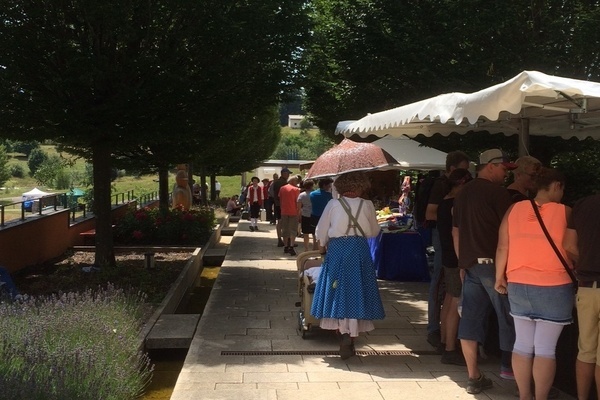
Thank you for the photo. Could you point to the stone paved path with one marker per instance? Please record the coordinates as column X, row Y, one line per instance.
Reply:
column 247, row 345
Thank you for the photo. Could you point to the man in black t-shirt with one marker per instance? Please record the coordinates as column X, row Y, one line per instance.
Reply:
column 478, row 211
column 441, row 187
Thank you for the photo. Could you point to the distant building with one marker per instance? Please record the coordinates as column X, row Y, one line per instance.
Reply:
column 294, row 121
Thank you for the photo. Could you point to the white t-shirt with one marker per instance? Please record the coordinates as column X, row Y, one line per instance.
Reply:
column 334, row 221
column 304, row 199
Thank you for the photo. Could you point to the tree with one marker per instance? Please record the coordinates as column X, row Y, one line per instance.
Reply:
column 4, row 168
column 122, row 77
column 25, row 147
column 372, row 55
column 51, row 172
column 36, row 158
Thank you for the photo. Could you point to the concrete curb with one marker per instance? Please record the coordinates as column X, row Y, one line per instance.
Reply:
column 184, row 281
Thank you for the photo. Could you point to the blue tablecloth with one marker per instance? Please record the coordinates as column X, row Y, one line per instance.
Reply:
column 399, row 257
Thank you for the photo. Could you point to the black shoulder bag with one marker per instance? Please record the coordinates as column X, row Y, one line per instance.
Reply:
column 560, row 257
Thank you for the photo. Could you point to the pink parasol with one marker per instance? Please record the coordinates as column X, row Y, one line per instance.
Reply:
column 351, row 156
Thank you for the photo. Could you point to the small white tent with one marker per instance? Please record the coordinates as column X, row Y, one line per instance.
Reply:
column 411, row 155
column 35, row 193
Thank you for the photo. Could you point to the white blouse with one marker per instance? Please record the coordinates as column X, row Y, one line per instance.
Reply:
column 334, row 221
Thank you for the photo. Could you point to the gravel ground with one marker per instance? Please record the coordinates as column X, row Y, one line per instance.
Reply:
column 73, row 273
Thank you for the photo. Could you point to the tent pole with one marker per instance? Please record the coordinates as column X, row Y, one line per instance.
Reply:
column 524, row 138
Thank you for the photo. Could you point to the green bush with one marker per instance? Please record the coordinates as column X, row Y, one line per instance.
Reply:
column 25, row 147
column 36, row 159
column 17, row 171
column 172, row 227
column 73, row 346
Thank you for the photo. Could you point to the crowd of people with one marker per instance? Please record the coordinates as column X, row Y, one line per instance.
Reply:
column 518, row 251
column 515, row 250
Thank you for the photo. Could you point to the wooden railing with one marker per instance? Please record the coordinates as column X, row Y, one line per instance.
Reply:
column 60, row 201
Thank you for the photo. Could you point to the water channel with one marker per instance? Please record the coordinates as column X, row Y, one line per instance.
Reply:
column 168, row 362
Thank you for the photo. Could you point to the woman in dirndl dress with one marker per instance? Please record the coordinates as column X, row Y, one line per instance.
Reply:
column 346, row 297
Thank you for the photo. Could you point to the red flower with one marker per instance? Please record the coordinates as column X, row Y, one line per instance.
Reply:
column 137, row 234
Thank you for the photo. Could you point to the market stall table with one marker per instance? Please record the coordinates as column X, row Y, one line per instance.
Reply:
column 399, row 256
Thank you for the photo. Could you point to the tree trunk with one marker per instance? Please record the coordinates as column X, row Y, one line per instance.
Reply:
column 191, row 180
column 203, row 186
column 213, row 194
column 105, row 252
column 163, row 188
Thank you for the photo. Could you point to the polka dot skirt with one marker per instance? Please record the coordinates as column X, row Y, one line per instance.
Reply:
column 347, row 286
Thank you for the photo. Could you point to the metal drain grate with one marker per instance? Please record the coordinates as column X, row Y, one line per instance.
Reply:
column 329, row 353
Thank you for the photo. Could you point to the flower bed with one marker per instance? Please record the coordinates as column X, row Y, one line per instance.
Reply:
column 152, row 226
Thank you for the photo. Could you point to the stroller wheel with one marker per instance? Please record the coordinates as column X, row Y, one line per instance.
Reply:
column 300, row 321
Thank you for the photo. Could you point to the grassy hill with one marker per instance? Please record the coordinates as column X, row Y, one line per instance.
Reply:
column 141, row 185
column 15, row 187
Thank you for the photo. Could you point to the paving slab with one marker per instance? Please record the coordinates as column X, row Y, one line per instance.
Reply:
column 247, row 344
column 172, row 331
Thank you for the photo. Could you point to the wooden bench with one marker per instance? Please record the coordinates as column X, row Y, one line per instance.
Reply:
column 89, row 236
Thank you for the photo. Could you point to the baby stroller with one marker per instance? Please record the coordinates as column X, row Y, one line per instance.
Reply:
column 306, row 288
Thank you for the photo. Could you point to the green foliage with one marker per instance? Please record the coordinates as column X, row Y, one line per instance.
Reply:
column 114, row 78
column 17, row 171
column 581, row 171
column 372, row 55
column 24, row 147
column 301, row 146
column 73, row 346
column 36, row 159
column 52, row 173
column 252, row 144
column 170, row 227
column 5, row 172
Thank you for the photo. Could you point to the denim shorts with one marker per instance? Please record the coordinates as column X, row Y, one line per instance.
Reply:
column 479, row 297
column 542, row 303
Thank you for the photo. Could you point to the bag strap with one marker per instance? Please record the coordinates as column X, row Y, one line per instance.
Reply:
column 561, row 258
column 353, row 220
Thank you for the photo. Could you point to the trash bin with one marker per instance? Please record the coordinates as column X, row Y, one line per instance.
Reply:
column 7, row 286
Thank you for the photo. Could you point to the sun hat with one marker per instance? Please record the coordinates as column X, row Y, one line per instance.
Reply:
column 285, row 170
column 496, row 156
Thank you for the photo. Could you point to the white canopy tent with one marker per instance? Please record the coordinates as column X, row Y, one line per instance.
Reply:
column 410, row 154
column 35, row 193
column 531, row 103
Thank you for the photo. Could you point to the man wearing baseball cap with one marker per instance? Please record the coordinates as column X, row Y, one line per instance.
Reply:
column 478, row 211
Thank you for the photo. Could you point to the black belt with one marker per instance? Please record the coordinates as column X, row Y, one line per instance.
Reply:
column 588, row 284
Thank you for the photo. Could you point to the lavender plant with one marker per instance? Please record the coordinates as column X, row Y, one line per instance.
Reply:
column 73, row 346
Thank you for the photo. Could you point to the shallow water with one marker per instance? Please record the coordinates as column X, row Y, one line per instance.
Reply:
column 168, row 362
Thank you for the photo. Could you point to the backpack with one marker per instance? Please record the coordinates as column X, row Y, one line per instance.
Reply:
column 243, row 195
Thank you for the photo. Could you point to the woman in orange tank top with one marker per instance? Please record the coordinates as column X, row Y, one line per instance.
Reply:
column 539, row 289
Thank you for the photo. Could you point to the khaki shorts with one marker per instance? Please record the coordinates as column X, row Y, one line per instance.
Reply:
column 588, row 309
column 452, row 281
column 289, row 225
